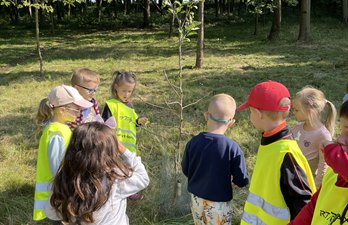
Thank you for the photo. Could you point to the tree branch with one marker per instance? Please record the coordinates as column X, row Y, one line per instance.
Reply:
column 193, row 103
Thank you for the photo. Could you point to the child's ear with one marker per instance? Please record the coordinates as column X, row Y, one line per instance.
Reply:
column 206, row 114
column 231, row 122
column 258, row 113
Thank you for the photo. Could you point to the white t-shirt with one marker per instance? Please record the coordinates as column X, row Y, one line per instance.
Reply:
column 114, row 210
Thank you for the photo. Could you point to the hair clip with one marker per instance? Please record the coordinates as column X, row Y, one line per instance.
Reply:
column 49, row 104
column 111, row 122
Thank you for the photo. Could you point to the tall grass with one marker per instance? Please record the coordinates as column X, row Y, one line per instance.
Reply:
column 235, row 60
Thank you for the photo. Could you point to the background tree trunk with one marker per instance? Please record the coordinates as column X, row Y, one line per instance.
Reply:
column 200, row 36
column 37, row 29
column 256, row 28
column 274, row 34
column 305, row 21
column 147, row 13
column 217, row 8
column 345, row 11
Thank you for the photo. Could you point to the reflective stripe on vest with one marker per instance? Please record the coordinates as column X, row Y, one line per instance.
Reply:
column 126, row 123
column 43, row 170
column 280, row 213
column 265, row 203
column 252, row 219
column 331, row 201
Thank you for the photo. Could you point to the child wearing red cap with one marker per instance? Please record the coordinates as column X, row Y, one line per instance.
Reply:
column 282, row 182
column 329, row 205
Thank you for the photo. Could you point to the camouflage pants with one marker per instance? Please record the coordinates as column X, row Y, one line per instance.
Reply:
column 207, row 212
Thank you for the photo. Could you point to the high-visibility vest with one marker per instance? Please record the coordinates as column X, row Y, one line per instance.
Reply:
column 265, row 204
column 125, row 123
column 331, row 201
column 44, row 175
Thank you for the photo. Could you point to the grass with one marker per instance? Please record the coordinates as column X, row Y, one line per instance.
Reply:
column 235, row 60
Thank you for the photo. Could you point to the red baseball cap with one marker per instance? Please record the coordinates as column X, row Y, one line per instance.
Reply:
column 267, row 96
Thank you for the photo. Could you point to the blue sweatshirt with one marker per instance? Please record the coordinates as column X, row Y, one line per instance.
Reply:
column 211, row 163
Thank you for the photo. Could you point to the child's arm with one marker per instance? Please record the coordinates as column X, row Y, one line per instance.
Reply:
column 337, row 158
column 185, row 160
column 139, row 178
column 304, row 217
column 56, row 151
column 294, row 185
column 322, row 166
column 106, row 113
column 239, row 170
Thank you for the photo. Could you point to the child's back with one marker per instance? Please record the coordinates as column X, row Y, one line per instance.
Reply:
column 282, row 182
column 212, row 162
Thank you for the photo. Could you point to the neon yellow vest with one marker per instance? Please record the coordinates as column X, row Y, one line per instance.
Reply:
column 331, row 201
column 43, row 172
column 126, row 123
column 265, row 204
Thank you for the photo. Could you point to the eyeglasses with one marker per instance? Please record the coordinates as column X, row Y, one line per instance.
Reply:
column 89, row 90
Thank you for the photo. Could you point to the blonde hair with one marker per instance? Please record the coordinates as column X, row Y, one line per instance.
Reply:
column 279, row 115
column 314, row 101
column 121, row 76
column 222, row 106
column 84, row 75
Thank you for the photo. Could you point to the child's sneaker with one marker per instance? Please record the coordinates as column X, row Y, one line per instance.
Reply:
column 136, row 196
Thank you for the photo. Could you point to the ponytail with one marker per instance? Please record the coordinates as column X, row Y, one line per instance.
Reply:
column 44, row 114
column 330, row 120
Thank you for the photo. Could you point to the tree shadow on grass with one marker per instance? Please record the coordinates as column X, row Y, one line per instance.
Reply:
column 19, row 130
column 15, row 203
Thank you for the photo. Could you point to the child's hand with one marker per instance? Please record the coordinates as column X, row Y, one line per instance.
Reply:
column 143, row 120
column 323, row 144
column 121, row 147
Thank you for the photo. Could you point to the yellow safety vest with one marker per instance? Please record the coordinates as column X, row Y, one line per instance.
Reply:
column 44, row 176
column 331, row 201
column 126, row 123
column 265, row 204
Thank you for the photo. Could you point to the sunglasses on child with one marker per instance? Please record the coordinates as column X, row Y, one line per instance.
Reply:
column 89, row 90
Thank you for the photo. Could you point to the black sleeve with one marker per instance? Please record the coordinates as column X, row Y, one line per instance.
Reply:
column 294, row 185
column 106, row 113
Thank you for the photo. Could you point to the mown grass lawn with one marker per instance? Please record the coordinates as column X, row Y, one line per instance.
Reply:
column 235, row 60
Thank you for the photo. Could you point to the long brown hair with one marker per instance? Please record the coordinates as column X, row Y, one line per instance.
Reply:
column 85, row 177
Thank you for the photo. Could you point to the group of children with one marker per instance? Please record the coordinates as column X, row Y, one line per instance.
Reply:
column 87, row 168
column 291, row 164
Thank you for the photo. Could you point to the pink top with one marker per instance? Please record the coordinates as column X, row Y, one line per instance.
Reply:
column 309, row 141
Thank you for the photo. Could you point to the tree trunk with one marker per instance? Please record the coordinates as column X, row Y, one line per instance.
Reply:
column 146, row 13
column 30, row 11
column 305, row 21
column 256, row 28
column 100, row 4
column 114, row 13
column 217, row 8
column 69, row 11
column 37, row 29
column 171, row 25
column 345, row 11
column 274, row 34
column 200, row 36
